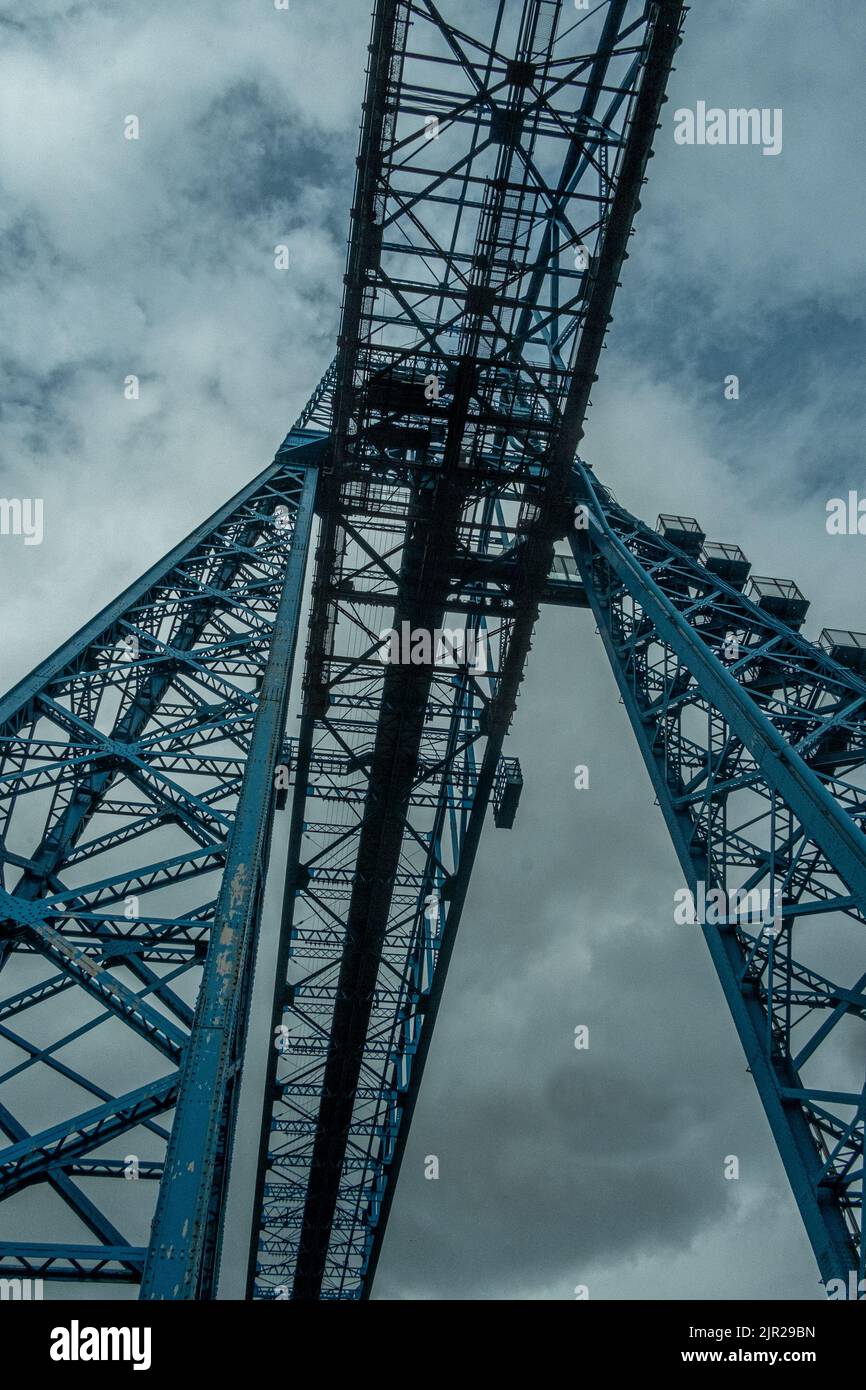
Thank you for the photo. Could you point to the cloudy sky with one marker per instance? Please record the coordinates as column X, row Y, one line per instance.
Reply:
column 154, row 257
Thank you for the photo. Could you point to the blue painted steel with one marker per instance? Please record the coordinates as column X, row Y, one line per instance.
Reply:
column 755, row 741
column 484, row 256
column 498, row 178
column 126, row 760
column 97, row 1264
column 197, row 1159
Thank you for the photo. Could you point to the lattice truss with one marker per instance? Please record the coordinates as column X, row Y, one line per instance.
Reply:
column 501, row 157
column 121, row 763
column 756, row 742
column 496, row 136
column 502, row 154
column 450, row 704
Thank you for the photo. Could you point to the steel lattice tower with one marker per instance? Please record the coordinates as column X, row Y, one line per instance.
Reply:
column 501, row 163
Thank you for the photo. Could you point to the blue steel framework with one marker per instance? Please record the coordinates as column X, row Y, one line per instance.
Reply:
column 755, row 740
column 498, row 177
column 135, row 827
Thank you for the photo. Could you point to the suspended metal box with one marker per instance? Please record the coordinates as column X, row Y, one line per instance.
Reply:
column 779, row 597
column 507, row 787
column 727, row 561
column 683, row 532
column 848, row 648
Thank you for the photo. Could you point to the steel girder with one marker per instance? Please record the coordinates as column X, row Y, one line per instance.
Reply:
column 755, row 740
column 135, row 801
column 502, row 154
column 500, row 168
column 482, row 267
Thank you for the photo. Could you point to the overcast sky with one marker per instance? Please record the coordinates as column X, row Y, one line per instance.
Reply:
column 155, row 257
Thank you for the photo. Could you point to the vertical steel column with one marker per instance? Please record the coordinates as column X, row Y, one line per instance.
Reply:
column 662, row 616
column 175, row 1267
